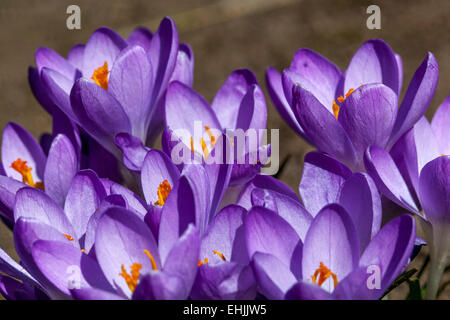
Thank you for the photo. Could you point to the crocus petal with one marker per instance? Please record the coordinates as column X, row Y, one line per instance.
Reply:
column 360, row 198
column 225, row 234
column 333, row 241
column 264, row 182
column 184, row 69
column 368, row 116
column 133, row 150
column 382, row 169
column 159, row 286
column 267, row 232
column 321, row 181
column 398, row 58
column 323, row 75
column 19, row 143
column 39, row 90
column 48, row 58
column 94, row 294
column 140, row 36
column 185, row 107
column 59, row 261
column 130, row 82
column 33, row 203
column 320, row 125
column 8, row 190
column 374, row 62
column 62, row 165
column 76, row 56
column 289, row 209
column 276, row 93
column 12, row 289
column 418, row 96
column 307, row 291
column 132, row 200
column 12, row 268
column 62, row 124
column 103, row 46
column 182, row 260
column 440, row 122
column 157, row 168
column 434, row 189
column 273, row 277
column 225, row 281
column 131, row 237
column 83, row 199
column 98, row 112
column 240, row 104
column 391, row 248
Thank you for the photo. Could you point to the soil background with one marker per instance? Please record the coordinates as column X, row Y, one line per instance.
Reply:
column 225, row 35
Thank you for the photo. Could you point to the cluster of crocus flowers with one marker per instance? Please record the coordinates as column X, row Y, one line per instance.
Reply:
column 98, row 213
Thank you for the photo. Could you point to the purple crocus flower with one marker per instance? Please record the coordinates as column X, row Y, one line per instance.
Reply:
column 344, row 113
column 414, row 176
column 239, row 106
column 24, row 163
column 112, row 85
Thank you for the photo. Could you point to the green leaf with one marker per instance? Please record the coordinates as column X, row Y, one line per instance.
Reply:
column 415, row 292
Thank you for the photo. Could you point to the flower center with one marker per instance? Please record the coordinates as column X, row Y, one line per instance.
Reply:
column 205, row 150
column 200, row 262
column 163, row 192
column 132, row 278
column 100, row 76
column 322, row 274
column 22, row 168
column 341, row 99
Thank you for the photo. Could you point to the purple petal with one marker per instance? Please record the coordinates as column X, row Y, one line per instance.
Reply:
column 160, row 286
column 76, row 56
column 94, row 294
column 157, row 168
column 434, row 189
column 103, row 45
column 240, row 102
column 140, row 36
column 333, row 241
column 132, row 200
column 8, row 190
column 130, row 82
column 418, row 96
column 272, row 276
column 320, row 125
column 121, row 239
column 47, row 58
column 33, row 203
column 374, row 62
column 62, row 165
column 59, row 261
column 307, row 291
column 322, row 74
column 321, row 181
column 360, row 198
column 382, row 169
column 18, row 143
column 14, row 269
column 368, row 116
column 398, row 58
column 276, row 93
column 83, row 199
column 440, row 122
column 133, row 150
column 39, row 90
column 184, row 69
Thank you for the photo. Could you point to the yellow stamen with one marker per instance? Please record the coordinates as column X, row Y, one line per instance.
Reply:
column 22, row 168
column 131, row 280
column 152, row 260
column 200, row 263
column 100, row 76
column 204, row 148
column 192, row 145
column 68, row 236
column 210, row 134
column 324, row 273
column 82, row 250
column 220, row 255
column 163, row 192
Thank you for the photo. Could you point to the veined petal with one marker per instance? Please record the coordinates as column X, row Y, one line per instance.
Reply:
column 440, row 122
column 184, row 68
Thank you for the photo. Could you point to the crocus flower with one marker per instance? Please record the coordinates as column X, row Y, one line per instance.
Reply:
column 327, row 264
column 414, row 176
column 112, row 85
column 238, row 107
column 342, row 113
column 25, row 164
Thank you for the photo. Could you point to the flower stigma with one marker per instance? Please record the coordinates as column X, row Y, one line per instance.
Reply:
column 163, row 192
column 324, row 273
column 133, row 278
column 100, row 76
column 22, row 168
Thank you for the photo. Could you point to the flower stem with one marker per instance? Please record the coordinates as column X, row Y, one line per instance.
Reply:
column 437, row 267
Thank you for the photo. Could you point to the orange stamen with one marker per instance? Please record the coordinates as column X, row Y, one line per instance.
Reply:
column 324, row 273
column 22, row 168
column 200, row 263
column 220, row 255
column 133, row 278
column 163, row 192
column 152, row 260
column 100, row 76
column 204, row 148
column 341, row 99
column 68, row 236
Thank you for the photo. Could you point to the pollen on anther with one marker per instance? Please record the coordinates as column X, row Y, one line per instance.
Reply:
column 100, row 76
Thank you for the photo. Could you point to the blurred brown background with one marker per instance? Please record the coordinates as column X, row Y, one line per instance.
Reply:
column 225, row 35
